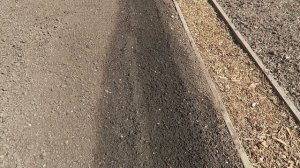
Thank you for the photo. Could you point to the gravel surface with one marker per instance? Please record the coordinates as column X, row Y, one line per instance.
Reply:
column 51, row 55
column 158, row 110
column 267, row 130
column 272, row 28
column 110, row 83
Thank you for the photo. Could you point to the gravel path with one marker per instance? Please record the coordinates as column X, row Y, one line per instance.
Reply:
column 272, row 28
column 51, row 55
column 110, row 83
column 157, row 110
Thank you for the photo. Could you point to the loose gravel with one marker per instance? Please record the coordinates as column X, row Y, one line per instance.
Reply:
column 272, row 28
column 110, row 83
column 265, row 126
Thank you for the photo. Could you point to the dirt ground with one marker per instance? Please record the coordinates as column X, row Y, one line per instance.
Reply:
column 104, row 84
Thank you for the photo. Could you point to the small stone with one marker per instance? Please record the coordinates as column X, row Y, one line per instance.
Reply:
column 253, row 85
column 227, row 88
column 264, row 143
column 223, row 78
column 254, row 104
column 272, row 53
column 2, row 120
column 107, row 91
column 42, row 156
column 4, row 89
column 274, row 99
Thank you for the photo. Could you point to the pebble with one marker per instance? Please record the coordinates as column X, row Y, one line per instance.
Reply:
column 264, row 143
column 253, row 85
column 254, row 104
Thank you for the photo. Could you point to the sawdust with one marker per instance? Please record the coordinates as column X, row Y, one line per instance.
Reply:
column 266, row 128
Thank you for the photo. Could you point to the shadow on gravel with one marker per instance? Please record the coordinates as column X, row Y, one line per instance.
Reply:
column 149, row 117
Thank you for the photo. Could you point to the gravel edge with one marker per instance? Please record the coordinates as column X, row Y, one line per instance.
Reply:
column 221, row 107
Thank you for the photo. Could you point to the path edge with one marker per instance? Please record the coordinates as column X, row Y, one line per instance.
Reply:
column 219, row 103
